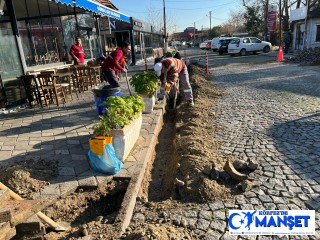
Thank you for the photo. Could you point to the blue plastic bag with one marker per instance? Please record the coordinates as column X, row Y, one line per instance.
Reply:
column 108, row 163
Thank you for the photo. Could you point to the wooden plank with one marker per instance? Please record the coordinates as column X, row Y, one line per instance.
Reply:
column 4, row 229
column 5, row 215
column 24, row 209
column 4, row 196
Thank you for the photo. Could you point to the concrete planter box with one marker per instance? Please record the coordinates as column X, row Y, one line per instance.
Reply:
column 124, row 139
column 148, row 103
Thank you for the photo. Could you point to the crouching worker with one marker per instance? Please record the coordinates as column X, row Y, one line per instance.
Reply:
column 170, row 70
column 114, row 63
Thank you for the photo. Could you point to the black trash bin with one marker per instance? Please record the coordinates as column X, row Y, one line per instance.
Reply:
column 101, row 94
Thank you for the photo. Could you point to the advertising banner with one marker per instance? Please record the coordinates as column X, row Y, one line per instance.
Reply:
column 271, row 21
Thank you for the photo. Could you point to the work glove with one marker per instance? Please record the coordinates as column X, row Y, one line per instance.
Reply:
column 167, row 86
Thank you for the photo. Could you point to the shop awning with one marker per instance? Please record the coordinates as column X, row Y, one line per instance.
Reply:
column 96, row 7
column 68, row 2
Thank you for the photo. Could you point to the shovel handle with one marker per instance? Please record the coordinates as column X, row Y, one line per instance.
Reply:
column 44, row 217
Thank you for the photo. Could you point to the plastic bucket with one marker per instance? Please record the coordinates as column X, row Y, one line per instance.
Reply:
column 101, row 94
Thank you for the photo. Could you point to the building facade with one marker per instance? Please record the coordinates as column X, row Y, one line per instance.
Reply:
column 37, row 34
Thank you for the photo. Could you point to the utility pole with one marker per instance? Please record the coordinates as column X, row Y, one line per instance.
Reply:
column 305, row 28
column 194, row 33
column 164, row 26
column 280, row 34
column 266, row 13
column 210, row 18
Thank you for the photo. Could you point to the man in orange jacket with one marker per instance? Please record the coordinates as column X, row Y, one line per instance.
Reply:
column 170, row 70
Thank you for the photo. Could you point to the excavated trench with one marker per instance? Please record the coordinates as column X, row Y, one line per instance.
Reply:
column 159, row 180
column 87, row 209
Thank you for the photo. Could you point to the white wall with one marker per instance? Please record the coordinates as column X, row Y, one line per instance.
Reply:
column 311, row 34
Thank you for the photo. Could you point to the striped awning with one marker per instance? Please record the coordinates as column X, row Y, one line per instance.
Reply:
column 68, row 2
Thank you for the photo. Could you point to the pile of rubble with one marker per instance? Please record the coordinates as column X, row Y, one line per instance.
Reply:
column 307, row 56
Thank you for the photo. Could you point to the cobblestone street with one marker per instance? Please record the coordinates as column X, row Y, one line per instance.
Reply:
column 273, row 116
column 270, row 113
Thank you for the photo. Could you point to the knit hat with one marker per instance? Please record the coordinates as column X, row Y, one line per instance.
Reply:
column 158, row 67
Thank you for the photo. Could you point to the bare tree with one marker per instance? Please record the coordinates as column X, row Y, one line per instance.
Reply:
column 235, row 23
column 155, row 18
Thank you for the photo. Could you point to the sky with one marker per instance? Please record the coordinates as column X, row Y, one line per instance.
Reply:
column 182, row 12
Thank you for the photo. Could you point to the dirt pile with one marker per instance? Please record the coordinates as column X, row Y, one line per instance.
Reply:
column 89, row 212
column 307, row 56
column 196, row 148
column 29, row 176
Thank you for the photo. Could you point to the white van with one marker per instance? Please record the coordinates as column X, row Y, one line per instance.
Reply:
column 215, row 43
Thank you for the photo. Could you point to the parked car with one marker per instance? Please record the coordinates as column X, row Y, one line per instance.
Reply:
column 248, row 44
column 215, row 43
column 224, row 45
column 205, row 45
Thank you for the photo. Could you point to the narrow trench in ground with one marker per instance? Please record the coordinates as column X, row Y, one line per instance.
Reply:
column 159, row 180
column 85, row 206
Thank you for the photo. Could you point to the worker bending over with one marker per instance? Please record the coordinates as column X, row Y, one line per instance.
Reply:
column 170, row 70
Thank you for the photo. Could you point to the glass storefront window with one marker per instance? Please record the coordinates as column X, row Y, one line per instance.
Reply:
column 148, row 45
column 47, row 40
column 10, row 65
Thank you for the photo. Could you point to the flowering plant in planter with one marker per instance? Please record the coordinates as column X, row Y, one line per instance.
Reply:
column 145, row 83
column 120, row 111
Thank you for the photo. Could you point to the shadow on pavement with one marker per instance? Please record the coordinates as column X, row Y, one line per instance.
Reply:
column 299, row 141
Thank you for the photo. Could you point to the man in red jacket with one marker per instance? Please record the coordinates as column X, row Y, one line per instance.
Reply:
column 114, row 63
column 77, row 52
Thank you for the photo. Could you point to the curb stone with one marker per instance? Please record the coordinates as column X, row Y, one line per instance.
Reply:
column 129, row 201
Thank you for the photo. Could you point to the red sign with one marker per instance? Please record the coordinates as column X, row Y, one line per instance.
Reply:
column 271, row 21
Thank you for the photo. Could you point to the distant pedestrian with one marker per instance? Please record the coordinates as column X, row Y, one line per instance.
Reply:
column 114, row 63
column 287, row 41
column 77, row 52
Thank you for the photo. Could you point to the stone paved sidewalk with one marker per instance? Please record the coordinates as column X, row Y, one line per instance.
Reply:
column 61, row 134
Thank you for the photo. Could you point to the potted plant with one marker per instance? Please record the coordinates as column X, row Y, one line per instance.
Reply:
column 122, row 121
column 146, row 84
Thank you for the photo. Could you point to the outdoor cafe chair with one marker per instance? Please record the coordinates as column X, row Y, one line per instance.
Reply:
column 49, row 90
column 83, row 77
column 32, row 92
column 95, row 75
column 64, row 78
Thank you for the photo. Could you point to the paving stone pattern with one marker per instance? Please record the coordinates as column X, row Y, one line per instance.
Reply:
column 61, row 134
column 269, row 113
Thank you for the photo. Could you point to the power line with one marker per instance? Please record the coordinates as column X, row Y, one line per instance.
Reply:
column 187, row 9
column 185, row 1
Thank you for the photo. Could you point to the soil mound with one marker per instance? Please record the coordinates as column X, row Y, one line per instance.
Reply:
column 29, row 176
column 196, row 147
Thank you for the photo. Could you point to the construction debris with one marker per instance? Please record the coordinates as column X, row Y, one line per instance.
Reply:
column 307, row 56
column 229, row 168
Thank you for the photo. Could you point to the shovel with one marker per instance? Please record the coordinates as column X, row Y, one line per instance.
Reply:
column 44, row 217
column 128, row 84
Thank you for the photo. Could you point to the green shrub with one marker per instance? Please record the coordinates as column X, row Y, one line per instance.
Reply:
column 120, row 112
column 145, row 82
